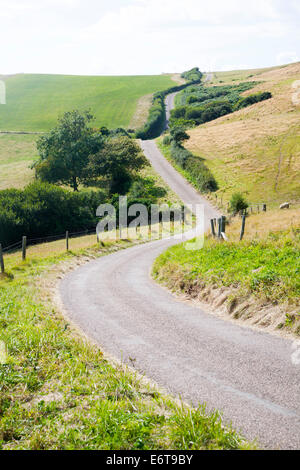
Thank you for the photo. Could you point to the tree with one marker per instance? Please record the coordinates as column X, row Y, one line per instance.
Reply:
column 238, row 203
column 117, row 161
column 179, row 135
column 65, row 151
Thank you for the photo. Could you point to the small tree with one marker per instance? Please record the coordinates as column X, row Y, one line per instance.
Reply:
column 238, row 203
column 65, row 151
column 179, row 135
column 118, row 160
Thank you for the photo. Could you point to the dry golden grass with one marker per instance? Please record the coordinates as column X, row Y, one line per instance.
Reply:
column 257, row 150
column 259, row 226
column 141, row 113
column 237, row 75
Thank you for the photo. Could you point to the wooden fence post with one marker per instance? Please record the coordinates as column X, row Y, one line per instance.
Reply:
column 212, row 223
column 219, row 228
column 24, row 243
column 67, row 240
column 223, row 223
column 243, row 227
column 1, row 260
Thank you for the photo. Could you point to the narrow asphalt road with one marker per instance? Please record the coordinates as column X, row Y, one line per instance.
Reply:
column 246, row 374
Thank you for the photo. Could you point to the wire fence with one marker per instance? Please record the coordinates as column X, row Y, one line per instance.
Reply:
column 48, row 239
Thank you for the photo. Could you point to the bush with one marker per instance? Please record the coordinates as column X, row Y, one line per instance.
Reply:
column 42, row 210
column 178, row 135
column 192, row 75
column 252, row 99
column 237, row 203
column 192, row 99
column 196, row 171
column 167, row 140
column 200, row 175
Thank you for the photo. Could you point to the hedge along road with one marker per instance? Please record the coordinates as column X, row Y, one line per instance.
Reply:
column 248, row 375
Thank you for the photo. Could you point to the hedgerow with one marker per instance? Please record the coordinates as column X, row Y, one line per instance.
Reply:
column 157, row 114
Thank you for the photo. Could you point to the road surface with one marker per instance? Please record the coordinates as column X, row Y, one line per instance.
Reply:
column 248, row 375
column 169, row 106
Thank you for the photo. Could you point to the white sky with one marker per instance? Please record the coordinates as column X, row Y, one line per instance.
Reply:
column 127, row 37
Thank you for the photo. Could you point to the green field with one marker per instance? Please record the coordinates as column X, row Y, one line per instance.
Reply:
column 17, row 152
column 34, row 102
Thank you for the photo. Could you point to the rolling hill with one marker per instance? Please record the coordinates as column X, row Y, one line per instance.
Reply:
column 256, row 150
column 34, row 102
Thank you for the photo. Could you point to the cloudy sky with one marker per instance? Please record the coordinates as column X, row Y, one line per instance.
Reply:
column 127, row 37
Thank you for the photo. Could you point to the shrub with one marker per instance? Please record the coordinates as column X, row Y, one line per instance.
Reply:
column 179, row 112
column 178, row 134
column 192, row 99
column 200, row 175
column 42, row 210
column 167, row 140
column 196, row 171
column 238, row 203
column 252, row 99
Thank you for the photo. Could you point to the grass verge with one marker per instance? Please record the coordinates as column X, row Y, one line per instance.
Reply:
column 245, row 277
column 57, row 391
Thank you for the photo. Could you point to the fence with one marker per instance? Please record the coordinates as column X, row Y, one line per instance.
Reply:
column 257, row 207
column 218, row 228
column 25, row 243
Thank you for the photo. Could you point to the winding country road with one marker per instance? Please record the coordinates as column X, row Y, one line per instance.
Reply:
column 247, row 374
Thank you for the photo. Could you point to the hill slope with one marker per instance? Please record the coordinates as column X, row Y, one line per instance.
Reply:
column 256, row 150
column 34, row 102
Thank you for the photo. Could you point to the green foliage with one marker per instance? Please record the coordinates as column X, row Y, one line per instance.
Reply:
column 156, row 119
column 179, row 135
column 197, row 105
column 41, row 210
column 238, row 203
column 157, row 115
column 118, row 161
column 178, row 112
column 192, row 75
column 200, row 175
column 252, row 99
column 65, row 151
column 167, row 140
column 201, row 114
column 73, row 153
column 204, row 94
column 195, row 169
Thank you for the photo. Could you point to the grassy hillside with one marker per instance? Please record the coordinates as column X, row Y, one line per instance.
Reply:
column 256, row 150
column 34, row 102
column 239, row 75
column 17, row 152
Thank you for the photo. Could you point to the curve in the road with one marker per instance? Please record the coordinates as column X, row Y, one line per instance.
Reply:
column 247, row 374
